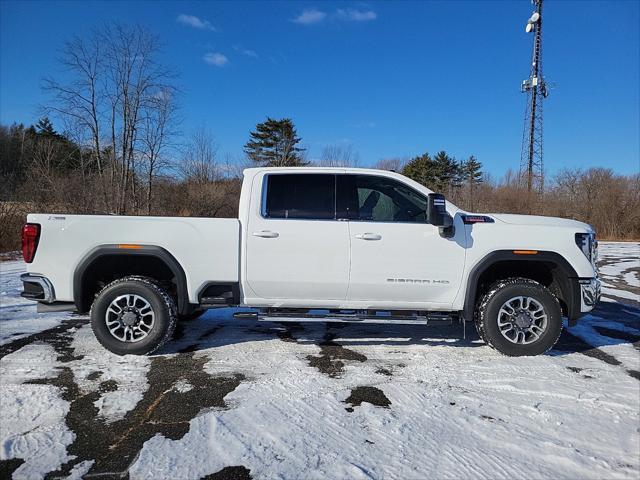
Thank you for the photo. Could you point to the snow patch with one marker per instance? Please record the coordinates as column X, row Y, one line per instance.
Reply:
column 80, row 470
column 182, row 386
column 631, row 279
column 32, row 427
column 129, row 372
column 17, row 314
column 31, row 362
column 616, row 292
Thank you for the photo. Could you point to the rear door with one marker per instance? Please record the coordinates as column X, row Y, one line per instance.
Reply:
column 397, row 257
column 295, row 247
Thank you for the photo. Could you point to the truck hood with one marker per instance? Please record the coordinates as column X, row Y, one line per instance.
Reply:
column 540, row 220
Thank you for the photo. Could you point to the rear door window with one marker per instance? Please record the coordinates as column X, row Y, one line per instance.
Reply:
column 308, row 196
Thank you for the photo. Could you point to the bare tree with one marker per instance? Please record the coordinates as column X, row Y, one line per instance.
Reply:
column 79, row 101
column 42, row 165
column 136, row 80
column 338, row 155
column 393, row 164
column 157, row 137
column 114, row 81
column 199, row 163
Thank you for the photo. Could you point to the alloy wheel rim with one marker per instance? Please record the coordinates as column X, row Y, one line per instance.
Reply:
column 522, row 320
column 129, row 318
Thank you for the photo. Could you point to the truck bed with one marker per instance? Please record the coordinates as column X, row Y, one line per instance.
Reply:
column 207, row 248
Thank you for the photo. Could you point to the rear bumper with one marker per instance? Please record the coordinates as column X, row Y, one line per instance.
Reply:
column 37, row 288
column 590, row 291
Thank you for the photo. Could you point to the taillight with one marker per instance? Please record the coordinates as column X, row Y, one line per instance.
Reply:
column 30, row 237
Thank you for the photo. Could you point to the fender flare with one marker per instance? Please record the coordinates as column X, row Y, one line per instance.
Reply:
column 145, row 250
column 571, row 287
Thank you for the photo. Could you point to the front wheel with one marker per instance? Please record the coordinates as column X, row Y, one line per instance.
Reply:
column 519, row 317
column 133, row 315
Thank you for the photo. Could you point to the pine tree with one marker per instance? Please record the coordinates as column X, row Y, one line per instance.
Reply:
column 472, row 175
column 446, row 171
column 274, row 144
column 45, row 127
column 421, row 169
column 472, row 170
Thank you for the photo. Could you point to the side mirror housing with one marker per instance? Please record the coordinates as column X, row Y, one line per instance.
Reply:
column 438, row 216
column 437, row 211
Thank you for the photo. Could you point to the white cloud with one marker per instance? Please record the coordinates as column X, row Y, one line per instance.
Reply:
column 246, row 51
column 310, row 16
column 313, row 16
column 215, row 58
column 354, row 15
column 195, row 22
column 249, row 53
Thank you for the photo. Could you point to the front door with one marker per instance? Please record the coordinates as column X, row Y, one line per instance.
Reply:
column 295, row 247
column 397, row 257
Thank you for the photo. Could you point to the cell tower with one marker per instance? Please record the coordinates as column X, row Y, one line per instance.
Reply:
column 531, row 166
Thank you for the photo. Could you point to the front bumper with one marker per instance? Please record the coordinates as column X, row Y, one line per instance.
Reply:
column 37, row 288
column 589, row 293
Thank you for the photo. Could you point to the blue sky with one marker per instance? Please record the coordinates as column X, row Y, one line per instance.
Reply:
column 393, row 79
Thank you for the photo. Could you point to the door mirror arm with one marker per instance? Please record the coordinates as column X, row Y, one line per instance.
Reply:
column 447, row 230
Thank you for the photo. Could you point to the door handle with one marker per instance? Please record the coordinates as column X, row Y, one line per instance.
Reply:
column 369, row 236
column 266, row 234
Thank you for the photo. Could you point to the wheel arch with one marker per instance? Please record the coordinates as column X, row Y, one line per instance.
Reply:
column 113, row 261
column 549, row 268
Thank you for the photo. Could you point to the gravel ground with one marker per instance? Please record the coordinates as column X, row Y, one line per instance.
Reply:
column 237, row 399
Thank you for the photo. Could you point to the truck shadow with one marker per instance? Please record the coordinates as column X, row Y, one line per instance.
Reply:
column 611, row 323
column 211, row 331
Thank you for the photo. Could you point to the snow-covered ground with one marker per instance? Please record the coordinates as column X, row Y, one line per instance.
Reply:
column 241, row 399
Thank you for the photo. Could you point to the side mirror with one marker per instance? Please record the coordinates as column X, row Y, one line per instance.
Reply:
column 437, row 212
column 438, row 215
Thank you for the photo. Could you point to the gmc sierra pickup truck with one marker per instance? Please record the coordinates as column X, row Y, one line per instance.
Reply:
column 318, row 244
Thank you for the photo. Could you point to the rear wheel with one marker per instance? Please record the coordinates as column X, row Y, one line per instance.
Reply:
column 133, row 315
column 519, row 317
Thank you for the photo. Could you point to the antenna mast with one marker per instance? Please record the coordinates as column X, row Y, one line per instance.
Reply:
column 531, row 166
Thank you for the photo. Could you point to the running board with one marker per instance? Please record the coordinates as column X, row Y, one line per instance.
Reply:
column 215, row 301
column 430, row 319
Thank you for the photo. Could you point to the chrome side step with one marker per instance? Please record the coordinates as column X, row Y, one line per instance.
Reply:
column 356, row 317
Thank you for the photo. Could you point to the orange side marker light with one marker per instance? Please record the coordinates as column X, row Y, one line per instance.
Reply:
column 130, row 246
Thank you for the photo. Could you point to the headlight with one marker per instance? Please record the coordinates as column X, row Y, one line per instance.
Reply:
column 587, row 243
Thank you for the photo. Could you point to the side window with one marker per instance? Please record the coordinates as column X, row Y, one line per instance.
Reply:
column 379, row 199
column 304, row 196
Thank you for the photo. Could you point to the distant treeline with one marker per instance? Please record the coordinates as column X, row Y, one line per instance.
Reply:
column 42, row 170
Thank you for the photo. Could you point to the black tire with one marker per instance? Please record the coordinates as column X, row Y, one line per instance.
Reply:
column 163, row 307
column 502, row 291
column 191, row 316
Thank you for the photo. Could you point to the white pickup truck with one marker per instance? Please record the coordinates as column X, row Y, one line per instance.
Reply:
column 318, row 244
